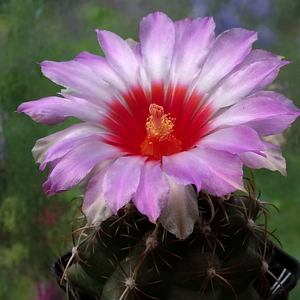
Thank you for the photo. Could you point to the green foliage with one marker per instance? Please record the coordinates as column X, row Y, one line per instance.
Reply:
column 16, row 285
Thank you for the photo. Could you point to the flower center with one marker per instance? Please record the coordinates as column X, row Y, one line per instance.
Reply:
column 159, row 141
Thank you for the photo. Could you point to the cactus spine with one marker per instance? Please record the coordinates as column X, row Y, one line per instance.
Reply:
column 128, row 258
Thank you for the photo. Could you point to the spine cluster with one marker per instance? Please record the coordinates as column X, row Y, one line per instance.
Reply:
column 129, row 258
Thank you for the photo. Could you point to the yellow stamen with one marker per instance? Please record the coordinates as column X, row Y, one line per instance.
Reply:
column 159, row 140
column 158, row 124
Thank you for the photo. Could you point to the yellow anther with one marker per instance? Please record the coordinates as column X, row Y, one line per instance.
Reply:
column 158, row 124
column 159, row 140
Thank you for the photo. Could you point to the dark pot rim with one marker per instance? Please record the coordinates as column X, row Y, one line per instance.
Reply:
column 57, row 268
column 282, row 264
column 286, row 265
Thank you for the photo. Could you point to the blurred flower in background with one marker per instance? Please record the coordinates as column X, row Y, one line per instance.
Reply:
column 47, row 291
column 51, row 214
column 239, row 13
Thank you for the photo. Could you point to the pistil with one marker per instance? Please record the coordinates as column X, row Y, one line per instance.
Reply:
column 160, row 140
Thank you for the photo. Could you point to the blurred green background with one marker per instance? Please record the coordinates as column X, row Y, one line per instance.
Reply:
column 32, row 227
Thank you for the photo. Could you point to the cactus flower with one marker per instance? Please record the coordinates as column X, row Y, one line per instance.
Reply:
column 179, row 111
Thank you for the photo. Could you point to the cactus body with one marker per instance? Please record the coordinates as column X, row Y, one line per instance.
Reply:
column 127, row 257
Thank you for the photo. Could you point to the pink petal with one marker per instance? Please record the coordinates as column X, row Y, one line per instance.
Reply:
column 243, row 82
column 157, row 35
column 287, row 114
column 185, row 168
column 153, row 191
column 96, row 213
column 77, row 76
column 230, row 48
column 121, row 181
column 136, row 48
column 258, row 55
column 180, row 27
column 70, row 169
column 119, row 56
column 191, row 49
column 181, row 212
column 266, row 112
column 53, row 110
column 273, row 160
column 94, row 206
column 44, row 144
column 103, row 70
column 225, row 168
column 67, row 136
column 93, row 173
column 234, row 140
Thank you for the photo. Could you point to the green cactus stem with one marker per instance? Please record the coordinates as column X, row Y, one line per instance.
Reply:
column 129, row 258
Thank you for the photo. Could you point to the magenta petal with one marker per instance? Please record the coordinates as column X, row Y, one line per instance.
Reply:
column 53, row 110
column 94, row 206
column 58, row 144
column 226, row 171
column 286, row 114
column 97, row 212
column 243, row 82
column 153, row 191
column 234, row 140
column 266, row 112
column 157, row 35
column 70, row 169
column 119, row 56
column 255, row 55
column 191, row 48
column 255, row 108
column 260, row 55
column 230, row 48
column 185, row 168
column 181, row 212
column 121, row 181
column 77, row 76
column 180, row 27
column 103, row 70
column 273, row 159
